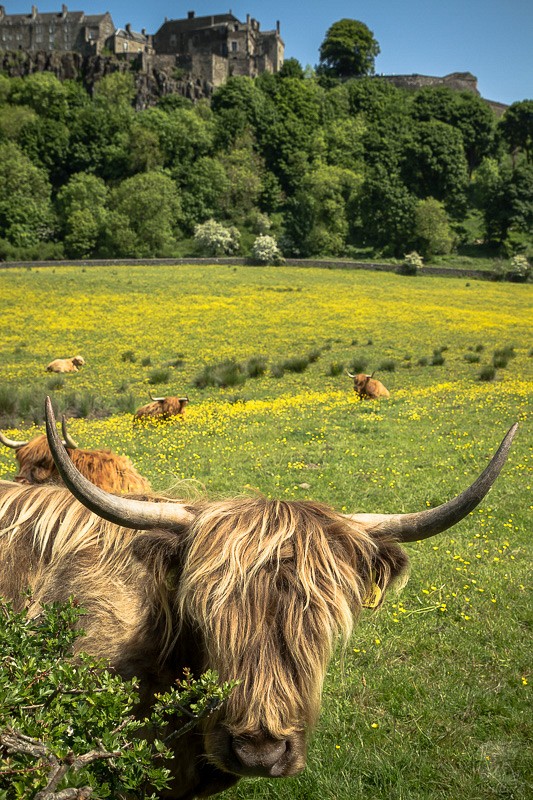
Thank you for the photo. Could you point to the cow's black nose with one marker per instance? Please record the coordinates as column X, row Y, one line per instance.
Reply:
column 260, row 755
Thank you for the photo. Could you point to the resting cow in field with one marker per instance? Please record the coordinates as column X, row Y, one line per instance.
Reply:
column 66, row 364
column 104, row 468
column 162, row 408
column 366, row 386
column 253, row 588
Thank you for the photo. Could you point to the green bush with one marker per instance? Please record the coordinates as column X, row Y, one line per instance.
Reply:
column 357, row 364
column 487, row 373
column 160, row 375
column 388, row 365
column 67, row 724
column 129, row 356
column 472, row 358
column 256, row 366
column 295, row 364
column 335, row 368
column 265, row 250
column 226, row 373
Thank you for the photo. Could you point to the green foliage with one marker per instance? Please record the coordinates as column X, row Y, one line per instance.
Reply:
column 160, row 375
column 67, row 723
column 432, row 229
column 225, row 373
column 26, row 215
column 487, row 373
column 348, row 50
column 339, row 163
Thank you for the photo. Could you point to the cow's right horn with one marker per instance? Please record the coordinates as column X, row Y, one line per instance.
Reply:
column 120, row 510
column 68, row 441
column 11, row 442
column 350, row 374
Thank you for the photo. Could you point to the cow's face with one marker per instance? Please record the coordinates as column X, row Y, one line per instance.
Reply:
column 36, row 464
column 360, row 382
column 78, row 361
column 269, row 585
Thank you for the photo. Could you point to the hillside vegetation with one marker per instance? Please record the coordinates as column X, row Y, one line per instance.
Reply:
column 326, row 167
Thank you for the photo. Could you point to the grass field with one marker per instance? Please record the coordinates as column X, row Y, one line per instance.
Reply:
column 432, row 698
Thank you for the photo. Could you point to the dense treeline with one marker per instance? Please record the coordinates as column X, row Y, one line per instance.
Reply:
column 327, row 167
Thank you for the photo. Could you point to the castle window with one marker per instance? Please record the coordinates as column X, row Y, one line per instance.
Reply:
column 125, row 45
column 234, row 47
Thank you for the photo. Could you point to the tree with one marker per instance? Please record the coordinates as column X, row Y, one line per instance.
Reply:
column 82, row 205
column 432, row 229
column 386, row 213
column 26, row 215
column 147, row 213
column 348, row 50
column 434, row 165
column 213, row 239
column 517, row 128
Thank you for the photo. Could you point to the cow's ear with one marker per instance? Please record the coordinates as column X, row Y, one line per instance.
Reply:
column 159, row 550
column 390, row 565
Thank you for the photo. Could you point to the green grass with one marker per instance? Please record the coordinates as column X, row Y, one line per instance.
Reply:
column 432, row 698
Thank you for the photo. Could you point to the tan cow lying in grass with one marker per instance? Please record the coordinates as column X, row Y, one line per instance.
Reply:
column 162, row 408
column 66, row 364
column 366, row 386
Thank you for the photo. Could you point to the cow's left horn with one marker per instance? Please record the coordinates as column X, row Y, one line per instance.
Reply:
column 11, row 442
column 422, row 525
column 120, row 510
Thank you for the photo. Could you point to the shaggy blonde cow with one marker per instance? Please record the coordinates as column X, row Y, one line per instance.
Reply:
column 162, row 408
column 66, row 364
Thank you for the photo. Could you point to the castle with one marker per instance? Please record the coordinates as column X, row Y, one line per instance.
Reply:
column 210, row 48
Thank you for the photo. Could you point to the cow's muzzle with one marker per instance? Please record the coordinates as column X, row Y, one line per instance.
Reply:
column 260, row 755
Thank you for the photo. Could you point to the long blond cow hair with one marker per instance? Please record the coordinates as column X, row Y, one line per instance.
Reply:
column 268, row 584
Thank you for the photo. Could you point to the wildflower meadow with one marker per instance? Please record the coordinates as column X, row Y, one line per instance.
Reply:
column 432, row 697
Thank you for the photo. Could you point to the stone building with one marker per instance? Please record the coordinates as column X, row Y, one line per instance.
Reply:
column 217, row 46
column 124, row 41
column 66, row 31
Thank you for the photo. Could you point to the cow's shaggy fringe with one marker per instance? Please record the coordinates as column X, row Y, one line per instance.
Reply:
column 268, row 584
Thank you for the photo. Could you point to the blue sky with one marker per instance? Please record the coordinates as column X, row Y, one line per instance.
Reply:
column 493, row 39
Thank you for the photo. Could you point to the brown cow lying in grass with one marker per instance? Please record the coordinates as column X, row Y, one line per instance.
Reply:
column 366, row 386
column 162, row 408
column 66, row 364
column 256, row 589
column 104, row 468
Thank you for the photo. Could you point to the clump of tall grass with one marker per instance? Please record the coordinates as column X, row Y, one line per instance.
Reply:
column 437, row 359
column 159, row 375
column 335, row 368
column 256, row 366
column 226, row 373
column 502, row 356
column 472, row 358
column 56, row 382
column 357, row 364
column 128, row 356
column 388, row 365
column 487, row 373
column 146, row 361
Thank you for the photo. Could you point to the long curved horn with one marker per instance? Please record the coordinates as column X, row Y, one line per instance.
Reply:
column 422, row 525
column 11, row 442
column 68, row 441
column 120, row 510
column 350, row 374
column 157, row 399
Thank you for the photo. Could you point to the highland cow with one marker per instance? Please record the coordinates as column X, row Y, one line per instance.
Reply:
column 366, row 386
column 162, row 408
column 66, row 364
column 256, row 589
column 104, row 468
